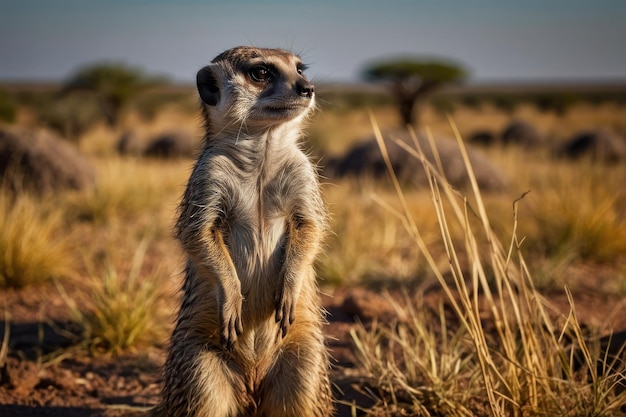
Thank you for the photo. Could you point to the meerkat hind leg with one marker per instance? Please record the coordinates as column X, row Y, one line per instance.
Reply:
column 296, row 384
column 220, row 389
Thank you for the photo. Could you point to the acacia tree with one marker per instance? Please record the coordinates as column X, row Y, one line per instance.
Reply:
column 412, row 81
column 114, row 86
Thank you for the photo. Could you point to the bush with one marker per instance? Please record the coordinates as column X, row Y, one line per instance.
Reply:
column 559, row 103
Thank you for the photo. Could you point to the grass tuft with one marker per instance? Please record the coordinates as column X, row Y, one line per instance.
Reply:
column 586, row 223
column 33, row 246
column 122, row 311
column 419, row 366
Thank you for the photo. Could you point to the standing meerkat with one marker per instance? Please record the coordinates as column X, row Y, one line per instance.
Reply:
column 248, row 338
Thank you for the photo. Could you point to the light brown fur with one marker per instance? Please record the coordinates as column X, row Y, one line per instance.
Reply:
column 248, row 339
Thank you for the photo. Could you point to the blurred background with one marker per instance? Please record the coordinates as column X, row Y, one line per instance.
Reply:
column 496, row 40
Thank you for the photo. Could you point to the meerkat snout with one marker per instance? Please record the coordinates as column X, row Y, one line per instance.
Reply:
column 305, row 88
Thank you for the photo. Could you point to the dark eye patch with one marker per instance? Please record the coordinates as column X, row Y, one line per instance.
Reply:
column 300, row 67
column 261, row 73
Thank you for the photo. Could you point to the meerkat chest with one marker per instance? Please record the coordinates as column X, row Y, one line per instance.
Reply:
column 262, row 207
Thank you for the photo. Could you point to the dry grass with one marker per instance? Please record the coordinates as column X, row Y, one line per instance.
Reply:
column 128, row 189
column 527, row 365
column 573, row 214
column 127, row 252
column 367, row 245
column 33, row 245
column 85, row 240
column 578, row 210
column 121, row 311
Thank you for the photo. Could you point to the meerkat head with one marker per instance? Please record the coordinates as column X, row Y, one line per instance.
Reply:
column 254, row 88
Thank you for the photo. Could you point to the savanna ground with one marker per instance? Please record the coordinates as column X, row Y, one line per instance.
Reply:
column 440, row 301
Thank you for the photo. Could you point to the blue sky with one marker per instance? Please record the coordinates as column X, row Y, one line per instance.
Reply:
column 502, row 40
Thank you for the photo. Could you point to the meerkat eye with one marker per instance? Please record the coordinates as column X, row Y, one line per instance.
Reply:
column 300, row 68
column 261, row 73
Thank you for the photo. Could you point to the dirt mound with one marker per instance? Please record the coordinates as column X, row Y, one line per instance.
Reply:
column 522, row 133
column 483, row 138
column 600, row 144
column 39, row 161
column 365, row 159
column 167, row 144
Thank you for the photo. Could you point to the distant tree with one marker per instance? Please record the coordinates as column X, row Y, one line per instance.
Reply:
column 413, row 80
column 114, row 85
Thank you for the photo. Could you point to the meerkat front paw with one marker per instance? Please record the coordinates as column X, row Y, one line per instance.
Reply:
column 285, row 301
column 231, row 321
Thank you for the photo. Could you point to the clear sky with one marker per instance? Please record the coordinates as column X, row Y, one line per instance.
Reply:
column 497, row 40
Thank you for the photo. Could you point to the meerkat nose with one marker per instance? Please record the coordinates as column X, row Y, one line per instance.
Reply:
column 305, row 88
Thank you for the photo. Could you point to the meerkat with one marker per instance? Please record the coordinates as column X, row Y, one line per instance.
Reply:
column 248, row 338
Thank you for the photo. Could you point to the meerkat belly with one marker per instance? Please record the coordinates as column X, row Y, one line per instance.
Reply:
column 257, row 241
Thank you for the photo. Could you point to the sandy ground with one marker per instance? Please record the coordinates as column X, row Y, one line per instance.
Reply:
column 46, row 374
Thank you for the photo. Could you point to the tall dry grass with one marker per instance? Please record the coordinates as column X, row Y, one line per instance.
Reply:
column 573, row 214
column 34, row 246
column 528, row 361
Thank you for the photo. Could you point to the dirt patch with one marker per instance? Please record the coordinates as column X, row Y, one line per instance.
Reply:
column 45, row 374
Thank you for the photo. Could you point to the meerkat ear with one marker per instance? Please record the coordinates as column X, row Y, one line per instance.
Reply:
column 208, row 86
